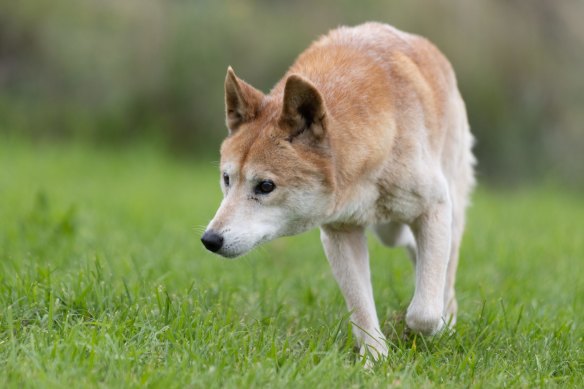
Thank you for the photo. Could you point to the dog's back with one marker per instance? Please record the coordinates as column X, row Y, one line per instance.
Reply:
column 395, row 104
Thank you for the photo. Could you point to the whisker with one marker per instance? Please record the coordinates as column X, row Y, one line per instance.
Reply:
column 199, row 229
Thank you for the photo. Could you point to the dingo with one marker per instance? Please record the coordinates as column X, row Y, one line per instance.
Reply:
column 367, row 128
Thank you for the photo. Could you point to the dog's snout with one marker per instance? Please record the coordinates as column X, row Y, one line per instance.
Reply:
column 212, row 240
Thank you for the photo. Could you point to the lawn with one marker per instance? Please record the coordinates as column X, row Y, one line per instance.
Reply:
column 104, row 283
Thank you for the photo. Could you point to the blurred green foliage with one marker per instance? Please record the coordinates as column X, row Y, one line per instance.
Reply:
column 113, row 72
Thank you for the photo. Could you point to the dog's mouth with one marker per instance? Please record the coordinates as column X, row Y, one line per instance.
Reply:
column 236, row 248
column 228, row 254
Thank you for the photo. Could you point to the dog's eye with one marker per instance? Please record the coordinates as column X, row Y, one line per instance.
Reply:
column 226, row 179
column 265, row 187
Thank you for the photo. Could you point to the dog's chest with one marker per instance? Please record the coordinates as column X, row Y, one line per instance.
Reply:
column 381, row 202
column 396, row 203
column 406, row 185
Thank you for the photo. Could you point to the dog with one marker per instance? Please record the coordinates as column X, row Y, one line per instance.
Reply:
column 366, row 129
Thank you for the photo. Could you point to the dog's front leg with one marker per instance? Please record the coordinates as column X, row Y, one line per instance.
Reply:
column 346, row 250
column 433, row 236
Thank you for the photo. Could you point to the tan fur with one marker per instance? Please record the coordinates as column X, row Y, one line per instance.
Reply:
column 367, row 128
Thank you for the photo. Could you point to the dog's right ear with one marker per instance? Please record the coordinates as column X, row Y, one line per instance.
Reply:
column 303, row 109
column 242, row 101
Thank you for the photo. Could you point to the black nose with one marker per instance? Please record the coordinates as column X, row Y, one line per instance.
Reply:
column 212, row 240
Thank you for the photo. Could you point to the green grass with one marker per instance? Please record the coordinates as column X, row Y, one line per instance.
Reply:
column 104, row 283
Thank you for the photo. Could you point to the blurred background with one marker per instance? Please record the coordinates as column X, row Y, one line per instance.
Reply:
column 113, row 73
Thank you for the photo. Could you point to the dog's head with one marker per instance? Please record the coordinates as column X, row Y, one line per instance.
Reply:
column 276, row 171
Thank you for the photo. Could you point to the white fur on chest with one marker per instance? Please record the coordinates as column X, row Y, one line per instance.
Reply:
column 399, row 191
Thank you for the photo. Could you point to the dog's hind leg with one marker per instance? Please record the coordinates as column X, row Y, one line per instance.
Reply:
column 394, row 234
column 347, row 253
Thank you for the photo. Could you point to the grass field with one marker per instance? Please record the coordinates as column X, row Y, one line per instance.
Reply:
column 104, row 283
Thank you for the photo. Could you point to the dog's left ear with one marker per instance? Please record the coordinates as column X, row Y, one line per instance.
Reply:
column 242, row 101
column 303, row 109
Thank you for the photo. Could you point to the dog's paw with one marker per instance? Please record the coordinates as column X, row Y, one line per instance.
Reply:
column 424, row 321
column 450, row 311
column 373, row 353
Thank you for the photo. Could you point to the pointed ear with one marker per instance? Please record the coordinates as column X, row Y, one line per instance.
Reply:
column 242, row 101
column 303, row 108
